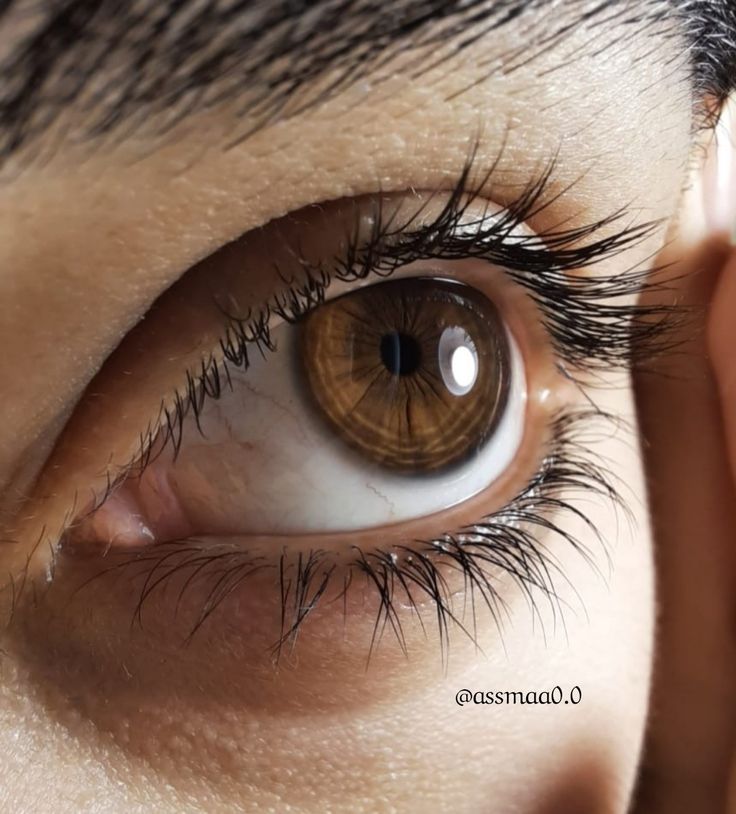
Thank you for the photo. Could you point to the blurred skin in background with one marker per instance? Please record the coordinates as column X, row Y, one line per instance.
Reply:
column 720, row 337
column 224, row 588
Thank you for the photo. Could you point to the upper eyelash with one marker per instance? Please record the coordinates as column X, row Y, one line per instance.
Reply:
column 599, row 325
column 591, row 319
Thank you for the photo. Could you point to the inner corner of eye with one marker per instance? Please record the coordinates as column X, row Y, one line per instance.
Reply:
column 388, row 404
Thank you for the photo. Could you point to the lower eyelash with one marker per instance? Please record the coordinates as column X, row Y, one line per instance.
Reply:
column 505, row 543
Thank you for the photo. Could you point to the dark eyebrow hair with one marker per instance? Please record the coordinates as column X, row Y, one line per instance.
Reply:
column 120, row 66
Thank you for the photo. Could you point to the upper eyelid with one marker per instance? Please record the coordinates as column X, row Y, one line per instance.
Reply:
column 541, row 269
column 135, row 287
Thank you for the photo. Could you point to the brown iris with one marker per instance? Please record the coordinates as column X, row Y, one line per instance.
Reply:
column 412, row 373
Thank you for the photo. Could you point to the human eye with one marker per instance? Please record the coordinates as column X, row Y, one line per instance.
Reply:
column 396, row 418
column 335, row 407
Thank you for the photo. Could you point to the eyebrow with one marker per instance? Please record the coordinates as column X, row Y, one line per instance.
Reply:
column 119, row 67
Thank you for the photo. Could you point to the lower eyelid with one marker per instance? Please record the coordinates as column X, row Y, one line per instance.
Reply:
column 179, row 589
column 218, row 577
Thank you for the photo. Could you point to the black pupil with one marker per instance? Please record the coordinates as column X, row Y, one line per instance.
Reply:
column 400, row 353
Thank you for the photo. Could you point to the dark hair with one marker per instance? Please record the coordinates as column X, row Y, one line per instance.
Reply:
column 711, row 29
column 126, row 62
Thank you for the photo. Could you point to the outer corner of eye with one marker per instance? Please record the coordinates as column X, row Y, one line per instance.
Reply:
column 383, row 407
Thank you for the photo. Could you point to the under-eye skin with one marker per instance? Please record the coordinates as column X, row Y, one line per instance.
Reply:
column 399, row 410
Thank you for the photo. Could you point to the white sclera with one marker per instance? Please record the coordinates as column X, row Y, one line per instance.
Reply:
column 268, row 464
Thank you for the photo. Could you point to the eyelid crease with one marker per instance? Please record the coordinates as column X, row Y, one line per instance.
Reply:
column 589, row 330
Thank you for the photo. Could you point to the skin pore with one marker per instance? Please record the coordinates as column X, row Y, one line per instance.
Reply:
column 96, row 223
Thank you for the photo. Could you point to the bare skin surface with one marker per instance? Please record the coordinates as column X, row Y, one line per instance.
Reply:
column 694, row 528
column 720, row 338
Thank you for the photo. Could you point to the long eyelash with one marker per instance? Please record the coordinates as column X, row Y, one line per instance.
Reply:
column 594, row 325
column 504, row 543
column 592, row 319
